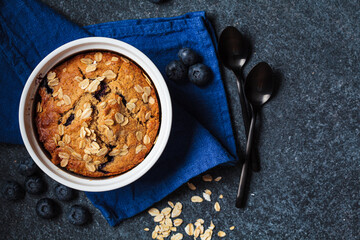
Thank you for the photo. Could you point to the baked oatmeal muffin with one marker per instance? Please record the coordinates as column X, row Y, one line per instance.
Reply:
column 98, row 114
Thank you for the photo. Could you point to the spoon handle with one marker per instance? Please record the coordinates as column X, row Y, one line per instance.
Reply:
column 240, row 197
column 243, row 101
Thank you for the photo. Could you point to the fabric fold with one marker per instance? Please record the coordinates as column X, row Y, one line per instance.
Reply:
column 201, row 136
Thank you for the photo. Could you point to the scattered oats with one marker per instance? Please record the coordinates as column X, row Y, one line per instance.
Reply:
column 100, row 78
column 139, row 148
column 67, row 100
column 64, row 155
column 138, row 135
column 145, row 98
column 146, row 229
column 217, row 207
column 51, row 75
column 125, row 60
column 221, row 196
column 232, row 228
column 90, row 167
column 77, row 155
column 86, row 113
column 53, row 82
column 147, row 90
column 196, row 199
column 114, row 153
column 107, row 63
column 61, row 129
column 217, row 179
column 109, row 122
column 130, row 106
column 86, row 61
column 58, row 93
column 200, row 220
column 208, row 191
column 78, row 113
column 39, row 107
column 133, row 100
column 87, row 158
column 126, row 121
column 154, row 235
column 114, row 59
column 176, row 210
column 64, row 69
column 119, row 118
column 168, row 222
column 166, row 211
column 67, row 139
column 177, row 236
column 158, row 218
column 64, row 162
column 102, row 105
column 93, row 86
column 98, row 56
column 61, row 144
column 60, row 103
column 95, row 145
column 191, row 186
column 84, row 83
column 109, row 74
column 146, row 139
column 151, row 100
column 178, row 222
column 207, row 178
column 221, row 234
column 197, row 232
column 207, row 197
column 171, row 204
column 189, row 229
column 90, row 68
column 112, row 101
column 153, row 211
column 102, row 151
column 88, row 132
column 138, row 88
column 78, row 78
column 109, row 133
column 212, row 226
column 147, row 115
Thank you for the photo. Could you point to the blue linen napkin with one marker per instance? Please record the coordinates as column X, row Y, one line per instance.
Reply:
column 201, row 137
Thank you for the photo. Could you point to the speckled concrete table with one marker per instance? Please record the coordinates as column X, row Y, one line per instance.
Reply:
column 309, row 144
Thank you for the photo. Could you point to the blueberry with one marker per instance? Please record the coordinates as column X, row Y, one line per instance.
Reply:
column 64, row 193
column 34, row 185
column 78, row 215
column 188, row 56
column 12, row 191
column 199, row 74
column 27, row 167
column 46, row 208
column 176, row 71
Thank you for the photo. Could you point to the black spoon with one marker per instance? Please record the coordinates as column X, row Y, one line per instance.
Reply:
column 233, row 52
column 259, row 86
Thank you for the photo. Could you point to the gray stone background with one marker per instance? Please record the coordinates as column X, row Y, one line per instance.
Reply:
column 309, row 142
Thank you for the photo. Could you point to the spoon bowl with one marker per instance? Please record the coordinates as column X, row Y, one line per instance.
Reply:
column 259, row 85
column 233, row 49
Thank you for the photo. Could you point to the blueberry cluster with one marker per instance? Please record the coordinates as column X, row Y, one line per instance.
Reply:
column 46, row 208
column 188, row 68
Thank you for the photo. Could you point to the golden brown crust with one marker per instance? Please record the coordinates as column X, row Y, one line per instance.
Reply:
column 98, row 114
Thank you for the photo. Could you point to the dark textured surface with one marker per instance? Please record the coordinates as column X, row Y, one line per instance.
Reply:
column 309, row 144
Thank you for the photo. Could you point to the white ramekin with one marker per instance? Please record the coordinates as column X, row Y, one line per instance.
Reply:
column 26, row 114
